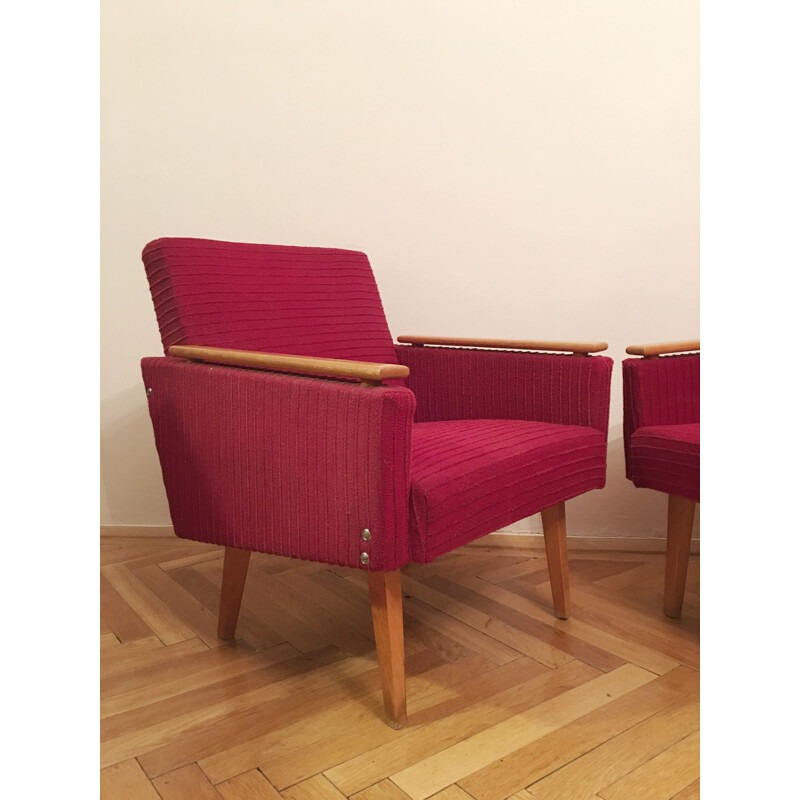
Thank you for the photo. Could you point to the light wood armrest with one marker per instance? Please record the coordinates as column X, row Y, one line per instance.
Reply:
column 579, row 348
column 649, row 350
column 365, row 371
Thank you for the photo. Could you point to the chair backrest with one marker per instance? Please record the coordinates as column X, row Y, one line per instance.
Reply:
column 308, row 301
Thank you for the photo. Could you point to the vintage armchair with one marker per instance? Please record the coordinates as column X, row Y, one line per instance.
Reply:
column 661, row 430
column 287, row 421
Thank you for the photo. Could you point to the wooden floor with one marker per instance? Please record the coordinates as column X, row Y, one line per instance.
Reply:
column 504, row 700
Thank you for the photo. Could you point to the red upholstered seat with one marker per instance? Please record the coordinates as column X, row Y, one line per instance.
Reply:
column 667, row 458
column 469, row 476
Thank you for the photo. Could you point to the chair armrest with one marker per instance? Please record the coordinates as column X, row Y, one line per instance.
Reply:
column 576, row 348
column 664, row 348
column 458, row 383
column 281, row 463
column 365, row 371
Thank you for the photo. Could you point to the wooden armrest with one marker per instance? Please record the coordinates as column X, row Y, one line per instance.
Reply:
column 649, row 350
column 579, row 348
column 365, row 371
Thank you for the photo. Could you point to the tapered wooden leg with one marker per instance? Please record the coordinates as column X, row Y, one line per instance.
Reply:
column 234, row 573
column 386, row 599
column 680, row 519
column 554, row 523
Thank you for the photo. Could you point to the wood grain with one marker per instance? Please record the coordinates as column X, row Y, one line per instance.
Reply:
column 663, row 348
column 366, row 371
column 506, row 344
column 504, row 699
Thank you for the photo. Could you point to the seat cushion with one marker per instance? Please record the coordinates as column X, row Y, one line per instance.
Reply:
column 471, row 477
column 667, row 458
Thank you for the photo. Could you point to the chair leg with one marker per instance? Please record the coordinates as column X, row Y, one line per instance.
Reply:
column 234, row 573
column 680, row 519
column 386, row 599
column 554, row 523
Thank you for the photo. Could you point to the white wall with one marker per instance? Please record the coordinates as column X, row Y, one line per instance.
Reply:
column 513, row 169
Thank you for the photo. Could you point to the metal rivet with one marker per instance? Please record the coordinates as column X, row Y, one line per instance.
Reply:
column 366, row 535
column 365, row 558
column 149, row 391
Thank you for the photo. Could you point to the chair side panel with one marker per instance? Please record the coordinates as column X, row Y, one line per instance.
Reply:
column 283, row 464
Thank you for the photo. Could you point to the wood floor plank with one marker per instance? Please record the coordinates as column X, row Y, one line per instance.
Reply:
column 556, row 637
column 202, row 728
column 262, row 599
column 620, row 755
column 473, row 639
column 423, row 741
column 298, row 710
column 663, row 776
column 456, row 762
column 454, row 792
column 215, row 555
column 316, row 788
column 264, row 709
column 250, row 628
column 250, row 785
column 158, row 616
column 434, row 696
column 141, row 653
column 521, row 768
column 126, row 781
column 385, row 790
column 194, row 678
column 691, row 792
column 609, row 613
column 186, row 782
column 119, row 616
column 453, row 604
column 486, row 720
column 200, row 620
column 648, row 659
column 140, row 667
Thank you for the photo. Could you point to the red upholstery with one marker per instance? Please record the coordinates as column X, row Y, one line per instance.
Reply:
column 451, row 383
column 667, row 458
column 662, row 423
column 298, row 466
column 303, row 300
column 281, row 463
column 472, row 477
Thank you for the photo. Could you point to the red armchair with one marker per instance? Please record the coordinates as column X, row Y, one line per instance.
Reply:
column 661, row 429
column 317, row 437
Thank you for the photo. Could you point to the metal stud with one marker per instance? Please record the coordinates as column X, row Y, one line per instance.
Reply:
column 366, row 535
column 365, row 558
column 149, row 391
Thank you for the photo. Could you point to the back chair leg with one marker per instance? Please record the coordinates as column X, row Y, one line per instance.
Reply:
column 680, row 519
column 554, row 523
column 234, row 574
column 386, row 600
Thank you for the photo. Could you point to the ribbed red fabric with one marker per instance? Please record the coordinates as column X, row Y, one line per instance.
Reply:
column 458, row 383
column 667, row 458
column 469, row 478
column 662, row 412
column 303, row 300
column 281, row 463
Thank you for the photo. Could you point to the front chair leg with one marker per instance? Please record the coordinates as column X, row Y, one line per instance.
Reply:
column 234, row 573
column 554, row 523
column 680, row 520
column 386, row 600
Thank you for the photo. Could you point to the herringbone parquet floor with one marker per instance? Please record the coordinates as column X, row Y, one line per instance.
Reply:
column 504, row 700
